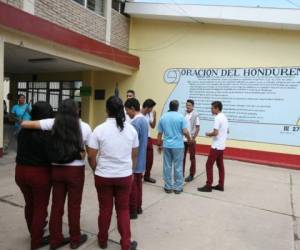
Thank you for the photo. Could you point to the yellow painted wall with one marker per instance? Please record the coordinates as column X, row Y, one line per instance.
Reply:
column 104, row 80
column 162, row 45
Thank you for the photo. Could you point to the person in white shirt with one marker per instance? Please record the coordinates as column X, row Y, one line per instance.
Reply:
column 66, row 151
column 150, row 116
column 193, row 121
column 218, row 146
column 112, row 154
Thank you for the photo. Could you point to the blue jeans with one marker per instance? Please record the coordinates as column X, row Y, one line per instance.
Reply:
column 173, row 157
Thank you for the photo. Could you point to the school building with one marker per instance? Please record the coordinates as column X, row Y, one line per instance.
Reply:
column 246, row 57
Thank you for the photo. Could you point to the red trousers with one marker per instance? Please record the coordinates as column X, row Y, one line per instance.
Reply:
column 66, row 180
column 192, row 150
column 110, row 190
column 136, row 194
column 35, row 184
column 149, row 161
column 215, row 156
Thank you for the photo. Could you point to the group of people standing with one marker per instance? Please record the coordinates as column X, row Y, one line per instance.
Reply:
column 51, row 156
column 177, row 135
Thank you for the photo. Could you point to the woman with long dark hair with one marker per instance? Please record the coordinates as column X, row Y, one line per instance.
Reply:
column 33, row 174
column 112, row 154
column 67, row 152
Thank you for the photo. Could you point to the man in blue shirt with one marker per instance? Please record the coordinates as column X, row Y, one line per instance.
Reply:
column 139, row 122
column 173, row 126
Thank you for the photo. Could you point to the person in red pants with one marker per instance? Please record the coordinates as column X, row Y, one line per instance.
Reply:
column 67, row 152
column 112, row 151
column 193, row 121
column 139, row 122
column 150, row 116
column 33, row 175
column 219, row 135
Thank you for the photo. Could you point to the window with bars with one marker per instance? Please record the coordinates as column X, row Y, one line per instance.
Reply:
column 53, row 92
column 119, row 5
column 98, row 6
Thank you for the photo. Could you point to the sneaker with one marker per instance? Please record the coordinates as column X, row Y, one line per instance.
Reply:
column 63, row 243
column 168, row 191
column 218, row 187
column 149, row 179
column 189, row 179
column 83, row 239
column 133, row 245
column 140, row 211
column 205, row 189
column 133, row 215
column 178, row 191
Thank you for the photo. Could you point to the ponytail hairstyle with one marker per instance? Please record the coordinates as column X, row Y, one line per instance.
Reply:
column 66, row 133
column 115, row 109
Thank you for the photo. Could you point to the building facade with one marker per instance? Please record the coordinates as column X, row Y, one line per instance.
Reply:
column 53, row 50
column 95, row 19
column 245, row 57
column 248, row 58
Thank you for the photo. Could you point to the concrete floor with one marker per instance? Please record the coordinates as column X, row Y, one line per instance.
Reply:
column 259, row 210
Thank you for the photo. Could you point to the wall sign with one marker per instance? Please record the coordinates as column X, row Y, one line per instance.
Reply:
column 99, row 94
column 262, row 104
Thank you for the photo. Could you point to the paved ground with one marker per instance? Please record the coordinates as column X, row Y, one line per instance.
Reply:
column 260, row 210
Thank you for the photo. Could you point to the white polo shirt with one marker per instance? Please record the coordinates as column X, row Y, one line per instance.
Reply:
column 149, row 117
column 115, row 148
column 220, row 124
column 86, row 131
column 188, row 117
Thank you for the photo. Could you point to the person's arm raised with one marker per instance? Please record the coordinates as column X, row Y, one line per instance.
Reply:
column 31, row 124
column 153, row 123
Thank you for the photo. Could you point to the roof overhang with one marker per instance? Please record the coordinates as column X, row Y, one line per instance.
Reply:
column 275, row 18
column 22, row 22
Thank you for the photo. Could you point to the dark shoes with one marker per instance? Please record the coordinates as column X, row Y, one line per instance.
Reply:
column 45, row 242
column 178, row 191
column 63, row 243
column 149, row 179
column 133, row 215
column 205, row 188
column 189, row 178
column 103, row 246
column 133, row 245
column 218, row 187
column 168, row 191
column 83, row 239
column 140, row 211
